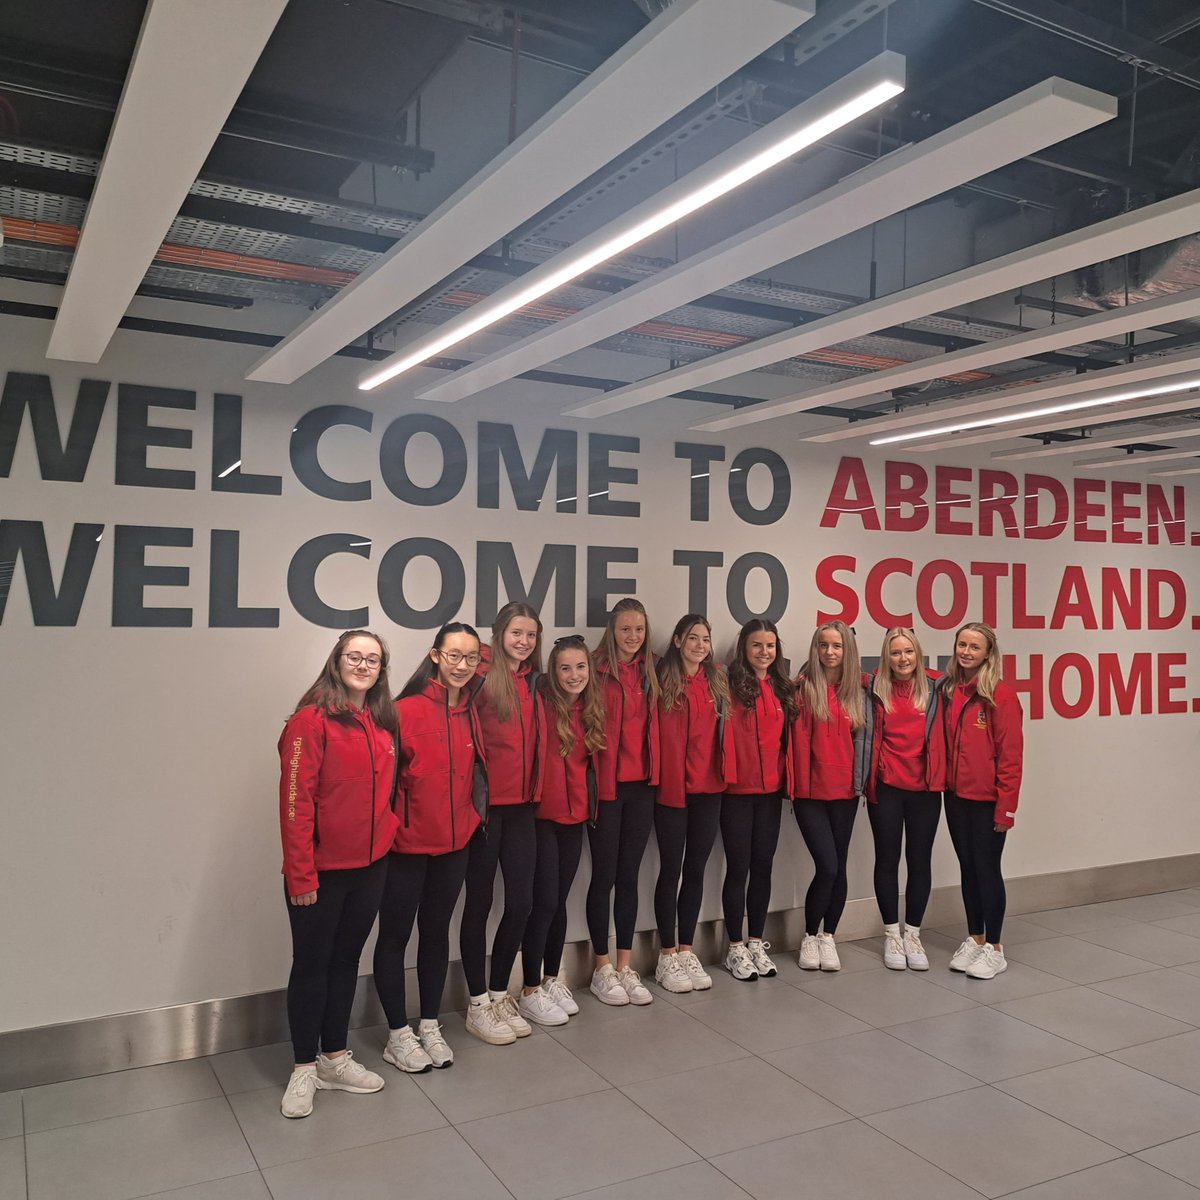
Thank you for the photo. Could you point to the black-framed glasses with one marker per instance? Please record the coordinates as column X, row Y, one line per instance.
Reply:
column 453, row 657
column 354, row 658
column 571, row 639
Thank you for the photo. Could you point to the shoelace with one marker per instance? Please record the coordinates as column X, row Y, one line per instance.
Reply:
column 434, row 1039
column 913, row 943
column 300, row 1082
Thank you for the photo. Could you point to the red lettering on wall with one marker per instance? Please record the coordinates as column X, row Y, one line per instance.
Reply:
column 998, row 495
column 1123, row 511
column 876, row 607
column 1085, row 686
column 1073, row 600
column 1169, row 683
column 833, row 589
column 904, row 489
column 850, row 495
column 1123, row 690
column 954, row 616
column 1036, row 530
column 1031, row 686
column 1086, row 508
column 948, row 499
column 1156, row 580
column 1160, row 513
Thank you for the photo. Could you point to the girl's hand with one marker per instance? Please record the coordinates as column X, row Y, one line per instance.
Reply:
column 305, row 898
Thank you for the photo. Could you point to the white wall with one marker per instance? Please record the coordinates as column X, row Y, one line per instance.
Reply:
column 138, row 846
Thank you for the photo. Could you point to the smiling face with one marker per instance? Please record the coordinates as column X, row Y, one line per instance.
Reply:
column 902, row 658
column 970, row 651
column 520, row 638
column 359, row 678
column 760, row 650
column 571, row 670
column 629, row 632
column 830, row 651
column 455, row 675
column 694, row 647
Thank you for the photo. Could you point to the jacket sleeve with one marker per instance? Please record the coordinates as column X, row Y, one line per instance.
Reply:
column 1009, row 739
column 301, row 749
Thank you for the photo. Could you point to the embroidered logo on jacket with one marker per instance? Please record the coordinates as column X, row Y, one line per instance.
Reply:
column 981, row 720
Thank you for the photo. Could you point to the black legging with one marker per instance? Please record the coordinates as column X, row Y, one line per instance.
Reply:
column 685, row 840
column 558, row 850
column 912, row 816
column 424, row 887
column 507, row 839
column 972, row 825
column 327, row 941
column 750, row 834
column 618, row 841
column 826, row 826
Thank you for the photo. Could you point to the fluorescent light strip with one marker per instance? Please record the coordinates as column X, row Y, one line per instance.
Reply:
column 1018, row 126
column 765, row 148
column 1080, row 446
column 689, row 48
column 191, row 62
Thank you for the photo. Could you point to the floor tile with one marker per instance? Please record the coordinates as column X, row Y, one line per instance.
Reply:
column 1180, row 1158
column 560, row 1149
column 1031, row 1147
column 772, row 1020
column 886, row 997
column 644, row 1044
column 437, row 1165
column 1019, row 980
column 1155, row 944
column 12, row 1167
column 695, row 1105
column 10, row 1115
column 138, row 1154
column 843, row 1162
column 1092, row 1019
column 486, row 1080
column 696, row 1181
column 723, row 985
column 258, row 1067
column 340, row 1120
column 1080, row 919
column 1078, row 961
column 1175, row 993
column 857, row 956
column 1120, row 1106
column 121, row 1092
column 235, row 1187
column 1175, row 1059
column 1117, row 1180
column 1188, row 924
column 988, row 1044
column 1157, row 907
column 869, row 1072
column 1190, row 968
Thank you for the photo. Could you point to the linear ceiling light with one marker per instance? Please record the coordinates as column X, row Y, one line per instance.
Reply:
column 191, row 61
column 850, row 98
column 1029, row 121
column 1085, row 445
column 691, row 47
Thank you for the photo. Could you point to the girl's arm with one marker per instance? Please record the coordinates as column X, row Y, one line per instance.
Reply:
column 301, row 749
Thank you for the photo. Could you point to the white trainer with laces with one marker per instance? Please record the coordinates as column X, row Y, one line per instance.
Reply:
column 343, row 1074
column 809, row 957
column 966, row 954
column 894, row 957
column 914, row 952
column 405, row 1053
column 989, row 964
column 299, row 1093
column 635, row 989
column 538, row 1008
column 561, row 995
column 488, row 1026
column 739, row 963
column 606, row 986
column 827, row 952
column 761, row 959
column 430, row 1034
column 670, row 975
column 701, row 979
column 506, row 1010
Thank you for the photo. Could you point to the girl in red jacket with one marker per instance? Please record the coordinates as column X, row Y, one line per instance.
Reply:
column 984, row 747
column 572, row 731
column 908, row 771
column 440, row 807
column 829, row 770
column 628, row 774
column 762, row 709
column 508, row 717
column 692, row 714
column 338, row 760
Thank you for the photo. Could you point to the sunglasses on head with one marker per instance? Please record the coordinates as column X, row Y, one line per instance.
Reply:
column 571, row 639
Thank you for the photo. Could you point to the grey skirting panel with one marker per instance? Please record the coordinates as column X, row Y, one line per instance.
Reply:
column 49, row 1053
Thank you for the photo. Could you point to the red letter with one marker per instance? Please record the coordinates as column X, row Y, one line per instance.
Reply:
column 1123, row 511
column 1123, row 690
column 876, row 609
column 905, row 484
column 1168, row 683
column 1003, row 505
column 959, row 594
column 1158, row 512
column 1114, row 594
column 1033, row 687
column 989, row 572
column 948, row 500
column 1087, row 687
column 1074, row 600
column 1085, row 507
column 1022, row 618
column 832, row 589
column 1034, row 486
column 1155, row 617
column 850, row 495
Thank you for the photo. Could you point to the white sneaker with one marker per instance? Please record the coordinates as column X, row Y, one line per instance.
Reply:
column 488, row 1026
column 809, row 957
column 965, row 955
column 914, row 952
column 894, row 957
column 299, row 1093
column 561, row 995
column 540, row 1009
column 739, row 964
column 635, row 989
column 436, row 1046
column 506, row 1010
column 606, row 986
column 405, row 1053
column 989, row 964
column 762, row 960
column 670, row 975
column 345, row 1075
column 701, row 979
column 827, row 952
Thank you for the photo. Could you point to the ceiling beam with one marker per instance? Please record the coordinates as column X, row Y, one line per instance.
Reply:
column 693, row 46
column 1131, row 459
column 1088, row 444
column 191, row 61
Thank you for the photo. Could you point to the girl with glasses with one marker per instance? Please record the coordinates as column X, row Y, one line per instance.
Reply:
column 338, row 760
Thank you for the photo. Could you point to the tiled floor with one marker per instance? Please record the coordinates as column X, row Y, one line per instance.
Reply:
column 1074, row 1075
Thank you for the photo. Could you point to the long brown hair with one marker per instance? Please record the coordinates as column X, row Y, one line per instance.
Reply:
column 671, row 673
column 813, row 684
column 427, row 668
column 560, row 703
column 606, row 655
column 885, row 681
column 988, row 675
column 500, row 682
column 328, row 692
column 743, row 682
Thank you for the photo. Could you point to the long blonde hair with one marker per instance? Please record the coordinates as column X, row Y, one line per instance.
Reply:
column 607, row 656
column 814, row 683
column 671, row 673
column 560, row 703
column 500, row 682
column 885, row 681
column 988, row 675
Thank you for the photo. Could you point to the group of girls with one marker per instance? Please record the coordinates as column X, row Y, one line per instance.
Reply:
column 486, row 760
